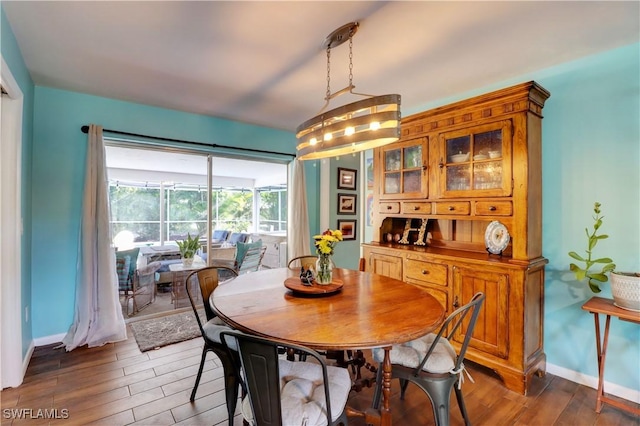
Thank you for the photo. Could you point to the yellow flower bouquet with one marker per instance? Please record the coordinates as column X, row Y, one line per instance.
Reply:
column 325, row 243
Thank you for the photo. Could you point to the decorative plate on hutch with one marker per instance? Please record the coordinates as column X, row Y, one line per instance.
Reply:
column 496, row 237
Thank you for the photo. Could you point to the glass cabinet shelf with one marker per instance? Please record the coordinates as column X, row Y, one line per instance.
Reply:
column 474, row 160
column 404, row 170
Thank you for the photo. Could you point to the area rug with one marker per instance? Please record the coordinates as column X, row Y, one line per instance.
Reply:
column 166, row 330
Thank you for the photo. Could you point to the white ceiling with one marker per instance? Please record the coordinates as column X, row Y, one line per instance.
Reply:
column 263, row 62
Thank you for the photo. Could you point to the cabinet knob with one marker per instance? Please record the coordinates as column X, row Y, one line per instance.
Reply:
column 456, row 303
column 425, row 272
column 492, row 208
column 441, row 165
column 451, row 208
column 389, row 207
column 415, row 208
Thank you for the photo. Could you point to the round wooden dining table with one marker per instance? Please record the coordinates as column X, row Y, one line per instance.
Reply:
column 368, row 311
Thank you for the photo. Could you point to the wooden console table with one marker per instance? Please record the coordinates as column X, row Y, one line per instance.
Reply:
column 599, row 305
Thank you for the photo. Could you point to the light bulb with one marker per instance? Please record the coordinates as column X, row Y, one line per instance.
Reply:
column 375, row 125
column 328, row 136
column 349, row 131
column 313, row 141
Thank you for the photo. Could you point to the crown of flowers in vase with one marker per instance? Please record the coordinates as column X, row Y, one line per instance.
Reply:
column 326, row 241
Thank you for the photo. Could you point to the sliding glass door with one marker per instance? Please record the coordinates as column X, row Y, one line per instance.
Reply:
column 160, row 196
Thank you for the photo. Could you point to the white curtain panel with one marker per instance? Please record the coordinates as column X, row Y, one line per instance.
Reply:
column 98, row 316
column 298, row 238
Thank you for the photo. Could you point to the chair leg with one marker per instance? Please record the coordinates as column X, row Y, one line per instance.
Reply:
column 439, row 393
column 463, row 408
column 403, row 387
column 231, row 383
column 126, row 301
column 375, row 403
column 195, row 387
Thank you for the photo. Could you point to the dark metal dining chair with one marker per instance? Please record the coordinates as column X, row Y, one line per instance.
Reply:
column 283, row 392
column 431, row 362
column 208, row 279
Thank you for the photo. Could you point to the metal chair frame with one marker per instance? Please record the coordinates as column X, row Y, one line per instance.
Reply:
column 208, row 280
column 438, row 386
column 260, row 365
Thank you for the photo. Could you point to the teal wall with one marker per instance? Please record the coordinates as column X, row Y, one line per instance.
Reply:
column 347, row 253
column 591, row 152
column 13, row 58
column 58, row 174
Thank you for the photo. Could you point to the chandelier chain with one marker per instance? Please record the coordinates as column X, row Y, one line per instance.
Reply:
column 351, row 59
column 328, row 95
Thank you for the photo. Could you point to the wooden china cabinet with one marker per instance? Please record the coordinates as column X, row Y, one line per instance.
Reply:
column 457, row 210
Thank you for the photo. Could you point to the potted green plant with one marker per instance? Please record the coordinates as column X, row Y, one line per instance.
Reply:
column 188, row 248
column 625, row 286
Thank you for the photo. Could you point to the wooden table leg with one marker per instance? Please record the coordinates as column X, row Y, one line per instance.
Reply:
column 601, row 348
column 379, row 416
column 385, row 411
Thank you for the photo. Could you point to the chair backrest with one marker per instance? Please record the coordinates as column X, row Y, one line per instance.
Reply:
column 126, row 263
column 453, row 322
column 208, row 279
column 220, row 235
column 297, row 262
column 260, row 364
column 252, row 260
column 147, row 274
column 362, row 264
column 238, row 237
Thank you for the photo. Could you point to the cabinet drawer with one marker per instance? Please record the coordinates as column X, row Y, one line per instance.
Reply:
column 454, row 207
column 389, row 208
column 416, row 208
column 494, row 208
column 420, row 270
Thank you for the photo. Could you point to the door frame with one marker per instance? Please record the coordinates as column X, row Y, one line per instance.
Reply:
column 12, row 366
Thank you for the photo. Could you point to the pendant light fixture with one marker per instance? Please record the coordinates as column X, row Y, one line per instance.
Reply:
column 369, row 123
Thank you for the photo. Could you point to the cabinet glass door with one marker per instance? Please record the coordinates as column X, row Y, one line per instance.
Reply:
column 478, row 160
column 404, row 170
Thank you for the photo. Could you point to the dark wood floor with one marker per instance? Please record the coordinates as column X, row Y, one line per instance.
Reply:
column 118, row 385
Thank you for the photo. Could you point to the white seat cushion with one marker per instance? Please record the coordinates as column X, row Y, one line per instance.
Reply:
column 302, row 393
column 410, row 354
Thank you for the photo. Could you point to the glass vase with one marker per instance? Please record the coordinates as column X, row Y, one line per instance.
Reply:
column 324, row 269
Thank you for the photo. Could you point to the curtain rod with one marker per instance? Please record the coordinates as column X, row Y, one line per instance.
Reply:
column 85, row 129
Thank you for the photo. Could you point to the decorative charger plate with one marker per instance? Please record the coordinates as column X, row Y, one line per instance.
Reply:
column 294, row 284
column 496, row 238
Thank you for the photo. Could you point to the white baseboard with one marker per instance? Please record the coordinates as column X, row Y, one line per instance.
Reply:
column 47, row 340
column 27, row 359
column 632, row 395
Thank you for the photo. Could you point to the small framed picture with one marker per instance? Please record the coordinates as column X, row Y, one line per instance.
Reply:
column 347, row 178
column 347, row 203
column 348, row 229
column 369, row 168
